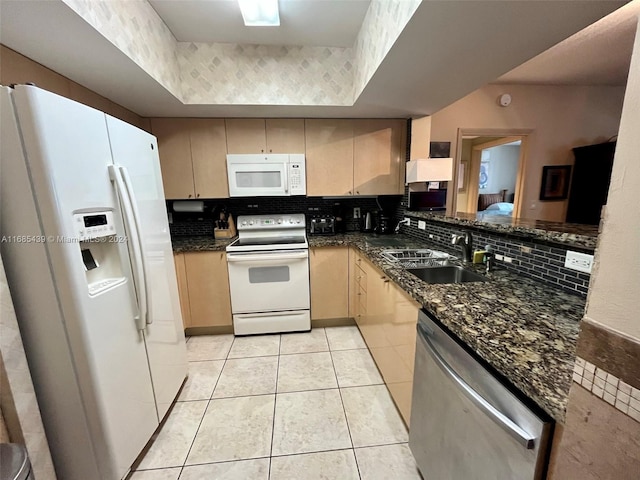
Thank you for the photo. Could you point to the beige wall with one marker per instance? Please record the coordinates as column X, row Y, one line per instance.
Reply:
column 614, row 298
column 16, row 68
column 561, row 118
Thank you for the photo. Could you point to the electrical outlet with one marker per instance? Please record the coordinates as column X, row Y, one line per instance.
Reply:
column 499, row 257
column 431, row 236
column 407, row 221
column 524, row 249
column 508, row 259
column 356, row 212
column 422, row 225
column 582, row 262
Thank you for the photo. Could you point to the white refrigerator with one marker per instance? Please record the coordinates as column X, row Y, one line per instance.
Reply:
column 86, row 245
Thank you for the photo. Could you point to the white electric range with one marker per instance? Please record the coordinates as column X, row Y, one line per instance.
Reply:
column 269, row 275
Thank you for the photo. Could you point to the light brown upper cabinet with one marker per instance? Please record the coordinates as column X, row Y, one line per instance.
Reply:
column 329, row 157
column 209, row 157
column 285, row 135
column 174, row 148
column 355, row 157
column 192, row 157
column 379, row 157
column 257, row 135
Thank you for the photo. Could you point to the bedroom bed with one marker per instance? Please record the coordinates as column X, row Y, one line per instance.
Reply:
column 495, row 204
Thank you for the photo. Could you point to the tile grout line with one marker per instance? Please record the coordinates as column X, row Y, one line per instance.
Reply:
column 205, row 410
column 343, row 409
column 275, row 402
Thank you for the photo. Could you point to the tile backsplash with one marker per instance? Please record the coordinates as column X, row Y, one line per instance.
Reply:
column 538, row 261
column 185, row 224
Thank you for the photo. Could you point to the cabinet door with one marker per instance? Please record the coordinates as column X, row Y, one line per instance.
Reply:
column 183, row 290
column 246, row 135
column 329, row 154
column 285, row 135
column 401, row 334
column 174, row 148
column 208, row 282
column 209, row 156
column 329, row 282
column 379, row 157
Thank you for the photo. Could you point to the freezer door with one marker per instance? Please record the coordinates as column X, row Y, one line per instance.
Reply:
column 135, row 152
column 67, row 154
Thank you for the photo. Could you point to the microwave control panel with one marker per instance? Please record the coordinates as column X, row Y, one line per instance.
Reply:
column 297, row 176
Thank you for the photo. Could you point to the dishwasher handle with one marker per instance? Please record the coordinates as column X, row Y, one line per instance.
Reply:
column 522, row 437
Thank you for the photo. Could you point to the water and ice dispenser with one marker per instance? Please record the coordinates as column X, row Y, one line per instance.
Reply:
column 101, row 248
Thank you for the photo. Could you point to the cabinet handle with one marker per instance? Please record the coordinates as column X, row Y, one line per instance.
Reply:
column 386, row 281
column 262, row 151
column 198, row 195
column 359, row 260
column 358, row 293
column 357, row 193
column 270, row 151
column 190, row 195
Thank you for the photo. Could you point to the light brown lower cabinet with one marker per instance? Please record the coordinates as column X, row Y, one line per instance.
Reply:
column 203, row 285
column 329, row 271
column 386, row 317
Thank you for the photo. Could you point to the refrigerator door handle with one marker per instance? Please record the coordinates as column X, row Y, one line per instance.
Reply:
column 138, row 274
column 526, row 440
column 143, row 254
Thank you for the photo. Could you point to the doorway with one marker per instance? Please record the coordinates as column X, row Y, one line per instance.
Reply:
column 489, row 173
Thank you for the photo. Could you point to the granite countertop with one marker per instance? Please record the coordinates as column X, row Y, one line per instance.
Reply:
column 200, row 243
column 524, row 329
column 563, row 234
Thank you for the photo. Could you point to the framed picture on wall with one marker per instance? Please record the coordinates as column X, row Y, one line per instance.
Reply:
column 555, row 182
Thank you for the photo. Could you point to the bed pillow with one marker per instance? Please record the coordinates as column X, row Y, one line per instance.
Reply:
column 501, row 206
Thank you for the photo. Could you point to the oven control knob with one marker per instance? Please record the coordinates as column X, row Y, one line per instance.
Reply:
column 251, row 222
column 298, row 221
column 244, row 223
column 280, row 220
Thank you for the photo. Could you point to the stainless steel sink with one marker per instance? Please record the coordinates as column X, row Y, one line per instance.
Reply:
column 417, row 257
column 446, row 274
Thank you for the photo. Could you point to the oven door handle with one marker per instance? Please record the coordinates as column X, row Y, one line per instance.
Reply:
column 266, row 257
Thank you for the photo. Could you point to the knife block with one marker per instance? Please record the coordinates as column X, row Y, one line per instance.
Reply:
column 226, row 232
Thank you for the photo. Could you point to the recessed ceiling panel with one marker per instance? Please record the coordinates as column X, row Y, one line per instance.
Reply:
column 330, row 23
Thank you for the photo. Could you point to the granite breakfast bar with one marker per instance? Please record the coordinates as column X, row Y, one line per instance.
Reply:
column 524, row 329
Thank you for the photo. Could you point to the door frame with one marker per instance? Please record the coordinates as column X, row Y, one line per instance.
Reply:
column 508, row 135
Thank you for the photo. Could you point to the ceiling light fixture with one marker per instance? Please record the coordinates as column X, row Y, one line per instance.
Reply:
column 260, row 13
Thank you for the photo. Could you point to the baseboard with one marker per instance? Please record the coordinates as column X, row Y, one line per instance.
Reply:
column 332, row 322
column 213, row 330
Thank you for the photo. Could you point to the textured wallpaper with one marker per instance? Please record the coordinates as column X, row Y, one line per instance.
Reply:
column 225, row 73
column 381, row 27
column 233, row 74
column 136, row 29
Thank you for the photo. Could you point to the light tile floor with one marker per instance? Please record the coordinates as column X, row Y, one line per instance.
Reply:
column 300, row 406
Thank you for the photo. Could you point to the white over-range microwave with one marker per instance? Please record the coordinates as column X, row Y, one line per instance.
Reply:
column 262, row 175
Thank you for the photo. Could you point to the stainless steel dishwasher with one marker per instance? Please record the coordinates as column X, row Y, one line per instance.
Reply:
column 465, row 424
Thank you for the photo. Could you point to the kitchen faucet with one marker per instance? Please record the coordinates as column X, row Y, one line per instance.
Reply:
column 406, row 222
column 465, row 240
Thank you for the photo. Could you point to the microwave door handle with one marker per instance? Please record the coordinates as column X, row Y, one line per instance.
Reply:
column 515, row 431
column 286, row 178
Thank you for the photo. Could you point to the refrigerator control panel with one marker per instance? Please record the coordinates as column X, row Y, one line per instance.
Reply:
column 94, row 225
